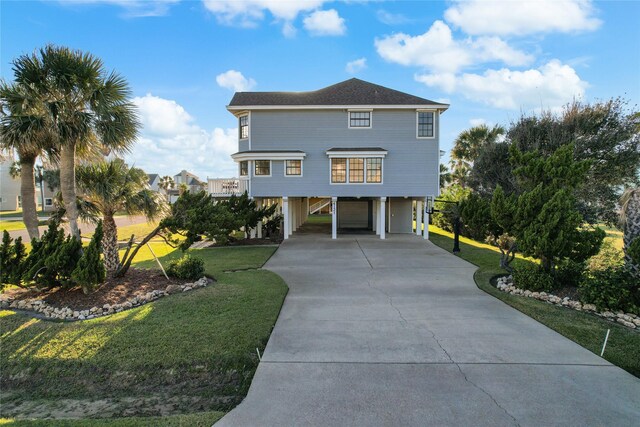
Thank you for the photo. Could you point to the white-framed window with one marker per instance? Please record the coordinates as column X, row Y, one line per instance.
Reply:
column 262, row 168
column 243, row 126
column 425, row 124
column 359, row 119
column 293, row 167
column 356, row 170
column 48, row 202
column 244, row 168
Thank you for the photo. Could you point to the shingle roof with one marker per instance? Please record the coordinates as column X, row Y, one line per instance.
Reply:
column 152, row 177
column 339, row 149
column 349, row 92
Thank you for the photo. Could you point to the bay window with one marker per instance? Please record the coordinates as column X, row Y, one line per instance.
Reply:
column 356, row 170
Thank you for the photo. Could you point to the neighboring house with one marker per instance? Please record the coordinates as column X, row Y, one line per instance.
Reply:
column 9, row 187
column 192, row 181
column 154, row 181
column 372, row 150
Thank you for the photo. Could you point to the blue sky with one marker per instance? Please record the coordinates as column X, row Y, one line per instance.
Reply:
column 491, row 60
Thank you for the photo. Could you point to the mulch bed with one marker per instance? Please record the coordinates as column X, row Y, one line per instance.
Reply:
column 113, row 291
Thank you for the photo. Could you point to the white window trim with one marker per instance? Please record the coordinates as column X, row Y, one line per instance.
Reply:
column 263, row 176
column 284, row 164
column 356, row 154
column 434, row 123
column 238, row 157
column 365, row 171
column 248, row 138
column 248, row 175
column 370, row 111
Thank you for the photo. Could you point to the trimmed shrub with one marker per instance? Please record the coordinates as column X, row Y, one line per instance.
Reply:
column 90, row 271
column 187, row 267
column 570, row 273
column 609, row 256
column 611, row 289
column 477, row 222
column 11, row 257
column 532, row 278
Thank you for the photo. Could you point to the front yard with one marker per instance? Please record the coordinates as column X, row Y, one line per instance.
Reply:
column 191, row 353
column 623, row 347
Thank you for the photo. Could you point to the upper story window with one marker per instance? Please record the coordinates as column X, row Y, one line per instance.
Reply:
column 243, row 126
column 357, row 170
column 426, row 124
column 244, row 168
column 359, row 119
column 293, row 167
column 262, row 168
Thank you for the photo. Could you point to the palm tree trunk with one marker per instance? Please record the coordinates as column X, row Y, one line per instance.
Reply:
column 28, row 195
column 110, row 245
column 68, row 186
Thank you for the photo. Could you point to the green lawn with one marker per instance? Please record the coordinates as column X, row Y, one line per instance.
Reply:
column 14, row 225
column 18, row 213
column 623, row 347
column 319, row 219
column 192, row 353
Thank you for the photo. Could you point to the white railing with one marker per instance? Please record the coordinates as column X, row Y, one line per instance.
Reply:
column 319, row 205
column 222, row 187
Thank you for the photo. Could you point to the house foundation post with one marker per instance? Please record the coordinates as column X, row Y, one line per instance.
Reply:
column 334, row 217
column 383, row 222
column 285, row 217
column 419, row 217
column 425, row 233
column 259, row 227
column 376, row 219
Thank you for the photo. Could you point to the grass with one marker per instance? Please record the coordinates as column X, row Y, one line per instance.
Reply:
column 204, row 419
column 623, row 347
column 319, row 219
column 194, row 353
column 18, row 213
column 13, row 225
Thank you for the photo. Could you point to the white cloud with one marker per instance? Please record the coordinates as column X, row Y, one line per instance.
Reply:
column 520, row 17
column 549, row 86
column 390, row 18
column 133, row 8
column 171, row 141
column 356, row 65
column 437, row 50
column 235, row 81
column 325, row 23
column 249, row 13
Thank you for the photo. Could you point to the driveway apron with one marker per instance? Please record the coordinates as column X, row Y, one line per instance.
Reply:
column 395, row 333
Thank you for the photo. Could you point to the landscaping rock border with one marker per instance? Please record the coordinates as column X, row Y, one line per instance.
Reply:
column 505, row 284
column 49, row 312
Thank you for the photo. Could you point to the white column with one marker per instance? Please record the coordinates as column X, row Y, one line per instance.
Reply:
column 376, row 220
column 286, row 219
column 259, row 228
column 334, row 217
column 383, row 223
column 418, row 217
column 425, row 233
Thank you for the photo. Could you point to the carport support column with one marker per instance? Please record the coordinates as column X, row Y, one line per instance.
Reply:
column 334, row 217
column 418, row 217
column 259, row 228
column 383, row 221
column 425, row 233
column 285, row 217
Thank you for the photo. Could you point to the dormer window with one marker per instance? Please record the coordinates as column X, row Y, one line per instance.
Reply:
column 243, row 126
column 359, row 119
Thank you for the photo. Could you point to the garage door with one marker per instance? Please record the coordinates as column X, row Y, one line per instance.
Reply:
column 353, row 214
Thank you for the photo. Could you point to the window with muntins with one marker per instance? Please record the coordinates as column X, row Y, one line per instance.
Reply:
column 425, row 124
column 356, row 170
column 243, row 126
column 263, row 167
column 359, row 119
column 293, row 167
column 338, row 171
column 374, row 171
column 244, row 168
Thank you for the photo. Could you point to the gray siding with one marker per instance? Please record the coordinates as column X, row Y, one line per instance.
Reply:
column 410, row 167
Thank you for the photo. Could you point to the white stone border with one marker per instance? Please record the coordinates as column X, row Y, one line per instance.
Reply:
column 505, row 284
column 49, row 312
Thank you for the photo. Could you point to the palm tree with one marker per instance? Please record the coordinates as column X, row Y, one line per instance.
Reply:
column 23, row 130
column 85, row 108
column 630, row 219
column 112, row 186
column 166, row 183
column 445, row 176
column 467, row 146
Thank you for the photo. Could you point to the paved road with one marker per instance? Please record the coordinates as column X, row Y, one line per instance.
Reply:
column 85, row 228
column 395, row 333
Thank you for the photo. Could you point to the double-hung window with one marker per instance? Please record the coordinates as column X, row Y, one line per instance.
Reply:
column 356, row 170
column 359, row 119
column 244, row 168
column 426, row 124
column 262, row 168
column 293, row 167
column 243, row 126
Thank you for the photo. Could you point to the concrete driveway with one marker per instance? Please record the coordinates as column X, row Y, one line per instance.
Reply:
column 396, row 333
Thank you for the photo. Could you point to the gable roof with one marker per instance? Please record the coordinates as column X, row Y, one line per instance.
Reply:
column 152, row 177
column 352, row 92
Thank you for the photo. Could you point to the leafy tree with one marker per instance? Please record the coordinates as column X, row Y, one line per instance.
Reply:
column 111, row 186
column 491, row 168
column 90, row 271
column 467, row 148
column 247, row 212
column 84, row 108
column 447, row 212
column 543, row 217
column 605, row 133
column 166, row 183
column 630, row 219
column 475, row 213
column 445, row 176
